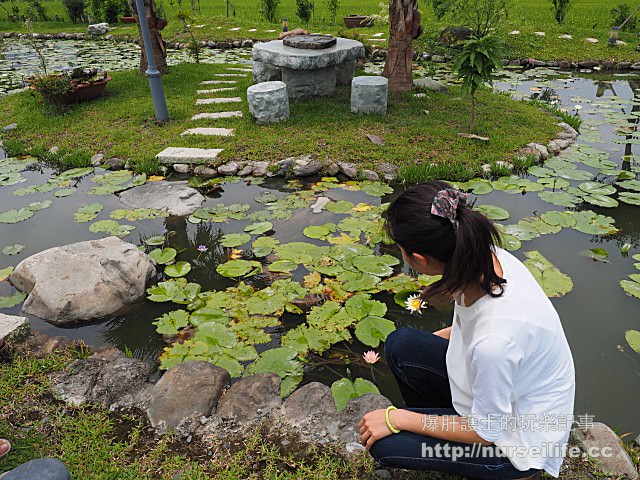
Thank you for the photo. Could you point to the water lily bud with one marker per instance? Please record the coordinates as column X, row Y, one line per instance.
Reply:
column 625, row 248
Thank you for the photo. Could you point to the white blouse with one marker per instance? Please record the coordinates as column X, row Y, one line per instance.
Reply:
column 511, row 371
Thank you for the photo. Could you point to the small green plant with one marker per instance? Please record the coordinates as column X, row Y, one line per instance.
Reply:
column 560, row 8
column 440, row 7
column 620, row 13
column 303, row 10
column 482, row 16
column 475, row 64
column 269, row 10
column 423, row 172
column 149, row 166
column 332, row 8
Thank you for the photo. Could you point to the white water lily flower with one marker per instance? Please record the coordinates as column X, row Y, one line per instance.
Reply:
column 577, row 107
column 414, row 303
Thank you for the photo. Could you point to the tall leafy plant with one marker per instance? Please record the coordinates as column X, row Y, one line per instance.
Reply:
column 475, row 65
column 269, row 10
column 480, row 15
column 303, row 10
column 332, row 7
column 560, row 8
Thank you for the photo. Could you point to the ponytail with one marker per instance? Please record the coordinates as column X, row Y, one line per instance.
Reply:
column 463, row 240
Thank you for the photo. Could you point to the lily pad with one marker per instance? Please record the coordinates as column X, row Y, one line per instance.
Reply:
column 553, row 281
column 593, row 223
column 597, row 188
column 12, row 249
column 631, row 287
column 263, row 246
column 597, row 254
column 561, row 199
column 258, row 228
column 15, row 216
column 630, row 185
column 379, row 265
column 376, row 189
column 75, row 173
column 561, row 219
column 170, row 323
column 633, row 339
column 344, row 390
column 316, row 232
column 65, row 192
column 361, row 306
column 280, row 361
column 163, row 256
column 493, row 212
column 112, row 227
column 231, row 240
column 178, row 269
column 13, row 300
column 86, row 213
column 628, row 197
column 155, row 240
column 372, row 330
column 5, row 272
column 239, row 268
column 282, row 266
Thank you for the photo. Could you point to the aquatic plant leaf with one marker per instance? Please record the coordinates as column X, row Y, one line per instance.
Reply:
column 344, row 252
column 344, row 390
column 298, row 252
column 554, row 182
column 628, row 197
column 266, row 197
column 510, row 242
column 178, row 353
column 477, row 186
column 539, row 225
column 231, row 240
column 239, row 268
column 178, row 269
column 263, row 246
column 376, row 189
column 402, row 296
column 231, row 365
column 15, row 216
column 208, row 314
column 592, row 223
column 170, row 323
column 65, row 192
column 316, row 232
column 75, row 173
column 492, row 212
column 561, row 199
column 398, row 283
column 12, row 300
column 522, row 231
column 631, row 287
column 282, row 266
column 110, row 226
column 596, row 254
column 601, row 200
column 5, row 272
column 155, row 240
column 36, row 206
column 138, row 214
column 574, row 174
column 372, row 330
column 12, row 178
column 258, row 228
column 341, row 206
column 13, row 249
column 541, row 172
column 561, row 219
column 553, row 281
column 597, row 188
column 242, row 352
column 379, row 265
column 630, row 185
column 86, row 213
column 216, row 335
column 305, row 339
column 281, row 362
column 164, row 256
column 361, row 306
column 633, row 339
column 312, row 279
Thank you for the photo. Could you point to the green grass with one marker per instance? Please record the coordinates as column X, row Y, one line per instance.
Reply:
column 122, row 125
column 586, row 18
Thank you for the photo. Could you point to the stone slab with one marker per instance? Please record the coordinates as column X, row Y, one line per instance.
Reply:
column 172, row 155
column 220, row 132
column 278, row 54
column 210, row 101
column 229, row 75
column 178, row 198
column 310, row 42
column 217, row 115
column 13, row 328
column 215, row 90
column 236, row 69
column 218, row 82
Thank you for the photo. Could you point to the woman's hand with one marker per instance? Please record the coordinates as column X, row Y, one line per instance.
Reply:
column 373, row 427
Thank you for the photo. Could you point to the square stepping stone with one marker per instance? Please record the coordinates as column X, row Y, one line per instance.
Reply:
column 209, row 101
column 217, row 115
column 252, row 30
column 236, row 69
column 219, row 132
column 269, row 31
column 218, row 82
column 229, row 75
column 173, row 155
column 234, row 29
column 378, row 35
column 214, row 90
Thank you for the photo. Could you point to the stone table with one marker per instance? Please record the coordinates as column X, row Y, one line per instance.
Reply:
column 306, row 72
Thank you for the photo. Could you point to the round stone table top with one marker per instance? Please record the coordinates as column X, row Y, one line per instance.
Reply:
column 315, row 41
column 277, row 54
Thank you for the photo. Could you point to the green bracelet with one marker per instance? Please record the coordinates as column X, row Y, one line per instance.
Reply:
column 386, row 416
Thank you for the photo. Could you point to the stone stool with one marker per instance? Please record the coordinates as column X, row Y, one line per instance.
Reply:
column 268, row 102
column 369, row 94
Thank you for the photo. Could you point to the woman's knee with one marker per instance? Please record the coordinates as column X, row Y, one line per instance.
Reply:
column 409, row 343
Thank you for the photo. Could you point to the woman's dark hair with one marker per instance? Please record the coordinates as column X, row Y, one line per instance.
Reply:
column 466, row 250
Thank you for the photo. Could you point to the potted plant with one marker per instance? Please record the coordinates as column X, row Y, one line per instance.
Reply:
column 64, row 88
column 355, row 21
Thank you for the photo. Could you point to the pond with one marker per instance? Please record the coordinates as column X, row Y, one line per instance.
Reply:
column 595, row 313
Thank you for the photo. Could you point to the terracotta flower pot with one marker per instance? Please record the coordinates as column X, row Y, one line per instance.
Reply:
column 81, row 92
column 355, row 21
column 127, row 20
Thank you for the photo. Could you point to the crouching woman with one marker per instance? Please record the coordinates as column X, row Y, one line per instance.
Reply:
column 491, row 396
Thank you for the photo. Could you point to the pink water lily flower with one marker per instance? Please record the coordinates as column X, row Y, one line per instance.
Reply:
column 371, row 356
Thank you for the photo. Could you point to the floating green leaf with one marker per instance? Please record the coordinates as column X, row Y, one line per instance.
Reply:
column 170, row 323
column 562, row 199
column 5, row 272
column 561, row 219
column 630, row 185
column 597, row 188
column 344, row 390
column 155, row 241
column 231, row 240
column 263, row 246
column 593, row 223
column 15, row 216
column 376, row 189
column 493, row 212
column 86, row 213
column 258, row 228
column 178, row 269
column 65, row 192
column 163, row 256
column 597, row 254
column 281, row 362
column 110, row 226
column 372, row 330
column 75, row 173
column 633, row 339
column 361, row 306
column 138, row 214
column 208, row 314
column 631, row 287
column 178, row 353
column 379, row 265
column 631, row 198
column 282, row 266
column 13, row 300
column 478, row 186
column 12, row 249
column 553, row 281
column 266, row 197
column 239, row 268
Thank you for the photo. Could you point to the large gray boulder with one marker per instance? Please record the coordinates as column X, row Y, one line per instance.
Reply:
column 251, row 398
column 98, row 29
column 84, row 281
column 306, row 165
column 606, row 449
column 431, row 85
column 189, row 390
column 277, row 54
column 13, row 328
column 177, row 198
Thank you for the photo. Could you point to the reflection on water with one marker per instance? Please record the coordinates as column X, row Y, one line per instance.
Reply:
column 595, row 314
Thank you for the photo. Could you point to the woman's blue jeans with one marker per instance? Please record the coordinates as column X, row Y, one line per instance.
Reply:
column 418, row 362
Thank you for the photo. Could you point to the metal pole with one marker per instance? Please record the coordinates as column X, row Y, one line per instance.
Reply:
column 155, row 83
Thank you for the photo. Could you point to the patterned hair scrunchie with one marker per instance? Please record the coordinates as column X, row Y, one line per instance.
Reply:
column 445, row 205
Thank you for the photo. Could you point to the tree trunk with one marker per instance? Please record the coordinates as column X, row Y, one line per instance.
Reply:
column 157, row 43
column 404, row 19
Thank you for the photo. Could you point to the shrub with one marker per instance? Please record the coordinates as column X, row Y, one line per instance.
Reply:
column 560, row 8
column 303, row 10
column 620, row 13
column 75, row 9
column 481, row 16
column 269, row 10
column 332, row 7
column 440, row 7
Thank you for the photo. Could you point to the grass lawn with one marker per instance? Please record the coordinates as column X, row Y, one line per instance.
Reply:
column 585, row 18
column 121, row 125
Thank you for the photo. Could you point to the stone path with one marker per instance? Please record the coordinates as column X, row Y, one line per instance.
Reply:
column 187, row 155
